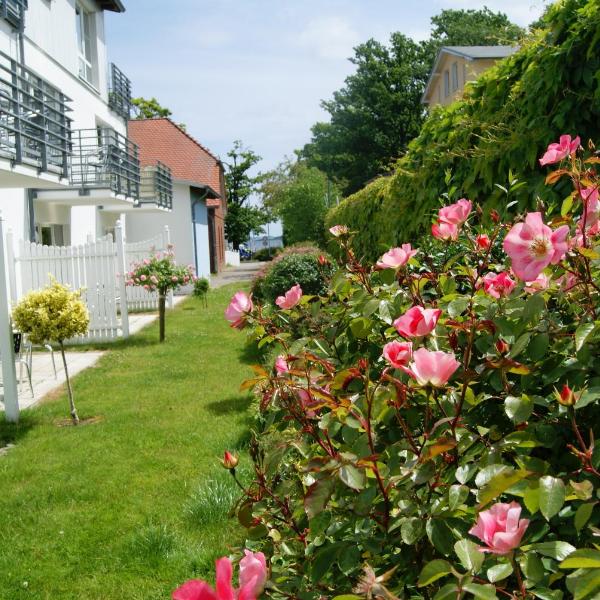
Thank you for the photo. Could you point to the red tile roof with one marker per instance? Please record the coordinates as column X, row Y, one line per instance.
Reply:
column 161, row 139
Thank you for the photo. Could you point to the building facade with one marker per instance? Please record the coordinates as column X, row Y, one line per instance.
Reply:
column 196, row 221
column 455, row 66
column 65, row 109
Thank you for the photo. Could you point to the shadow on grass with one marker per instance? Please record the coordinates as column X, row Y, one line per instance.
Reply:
column 135, row 341
column 229, row 405
column 251, row 354
column 11, row 433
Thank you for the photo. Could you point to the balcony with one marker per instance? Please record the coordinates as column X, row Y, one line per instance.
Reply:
column 119, row 95
column 156, row 190
column 35, row 130
column 105, row 170
column 13, row 11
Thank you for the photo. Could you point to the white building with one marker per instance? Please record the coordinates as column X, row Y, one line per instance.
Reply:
column 67, row 169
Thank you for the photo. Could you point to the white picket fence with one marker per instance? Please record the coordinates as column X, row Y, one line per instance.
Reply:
column 137, row 297
column 98, row 267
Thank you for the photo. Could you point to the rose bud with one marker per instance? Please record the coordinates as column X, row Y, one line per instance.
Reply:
column 566, row 396
column 502, row 347
column 495, row 216
column 323, row 260
column 230, row 461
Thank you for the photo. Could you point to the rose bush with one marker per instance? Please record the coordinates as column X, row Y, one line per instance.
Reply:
column 428, row 430
column 160, row 273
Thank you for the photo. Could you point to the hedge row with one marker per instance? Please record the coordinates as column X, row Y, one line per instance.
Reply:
column 505, row 121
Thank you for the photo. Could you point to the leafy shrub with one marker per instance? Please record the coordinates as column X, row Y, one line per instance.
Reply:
column 294, row 265
column 265, row 254
column 457, row 460
column 496, row 129
column 201, row 287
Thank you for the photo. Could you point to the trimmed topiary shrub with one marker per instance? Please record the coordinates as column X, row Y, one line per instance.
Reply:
column 472, row 147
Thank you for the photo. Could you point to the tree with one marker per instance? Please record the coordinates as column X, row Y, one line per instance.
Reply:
column 379, row 111
column 149, row 109
column 242, row 219
column 53, row 314
column 300, row 196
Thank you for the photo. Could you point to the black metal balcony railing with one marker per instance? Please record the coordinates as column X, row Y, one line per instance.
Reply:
column 34, row 127
column 157, row 186
column 103, row 158
column 13, row 11
column 119, row 95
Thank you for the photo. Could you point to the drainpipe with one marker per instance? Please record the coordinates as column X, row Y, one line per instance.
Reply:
column 31, row 194
column 194, row 204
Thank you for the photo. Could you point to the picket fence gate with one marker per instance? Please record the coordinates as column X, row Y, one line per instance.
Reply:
column 97, row 267
column 137, row 297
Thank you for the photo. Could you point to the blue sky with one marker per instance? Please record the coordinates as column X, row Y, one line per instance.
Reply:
column 256, row 70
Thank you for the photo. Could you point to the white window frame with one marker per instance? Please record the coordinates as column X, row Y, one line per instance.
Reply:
column 86, row 44
column 454, row 76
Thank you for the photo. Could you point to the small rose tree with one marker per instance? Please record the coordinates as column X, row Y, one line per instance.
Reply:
column 160, row 273
column 427, row 428
column 53, row 314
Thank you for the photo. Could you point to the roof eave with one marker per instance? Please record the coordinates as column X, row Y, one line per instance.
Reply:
column 112, row 5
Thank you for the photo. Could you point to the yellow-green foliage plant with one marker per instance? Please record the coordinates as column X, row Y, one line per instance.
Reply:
column 53, row 314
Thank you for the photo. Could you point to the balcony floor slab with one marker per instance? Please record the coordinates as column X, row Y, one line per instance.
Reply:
column 22, row 175
column 93, row 197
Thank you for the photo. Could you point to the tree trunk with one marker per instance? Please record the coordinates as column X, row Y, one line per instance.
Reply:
column 74, row 414
column 161, row 316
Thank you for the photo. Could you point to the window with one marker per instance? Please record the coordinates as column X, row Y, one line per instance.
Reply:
column 52, row 234
column 454, row 76
column 86, row 44
column 446, row 84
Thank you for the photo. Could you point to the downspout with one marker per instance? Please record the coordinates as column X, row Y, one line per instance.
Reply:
column 194, row 204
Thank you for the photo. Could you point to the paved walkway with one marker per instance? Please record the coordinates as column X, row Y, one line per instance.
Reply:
column 245, row 272
column 43, row 376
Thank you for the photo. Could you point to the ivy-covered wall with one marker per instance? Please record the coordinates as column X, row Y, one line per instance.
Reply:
column 504, row 123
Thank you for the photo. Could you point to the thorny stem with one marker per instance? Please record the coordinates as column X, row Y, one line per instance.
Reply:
column 380, row 483
column 517, row 571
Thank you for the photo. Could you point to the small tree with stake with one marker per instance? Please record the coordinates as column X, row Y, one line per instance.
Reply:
column 160, row 273
column 53, row 314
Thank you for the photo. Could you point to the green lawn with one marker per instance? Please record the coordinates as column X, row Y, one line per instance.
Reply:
column 132, row 505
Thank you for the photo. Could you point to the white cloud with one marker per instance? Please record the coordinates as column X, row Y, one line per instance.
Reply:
column 330, row 37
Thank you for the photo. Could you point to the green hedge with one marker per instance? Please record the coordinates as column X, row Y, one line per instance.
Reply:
column 504, row 123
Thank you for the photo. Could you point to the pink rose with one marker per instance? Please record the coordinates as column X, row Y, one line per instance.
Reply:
column 174, row 279
column 291, row 298
column 153, row 279
column 532, row 246
column 146, row 287
column 433, row 368
column 539, row 284
column 457, row 213
column 253, row 572
column 281, row 364
column 417, row 321
column 444, row 231
column 591, row 201
column 398, row 354
column 146, row 261
column 396, row 257
column 483, row 241
column 338, row 230
column 143, row 278
column 567, row 281
column 239, row 307
column 556, row 152
column 498, row 285
column 500, row 528
column 251, row 583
